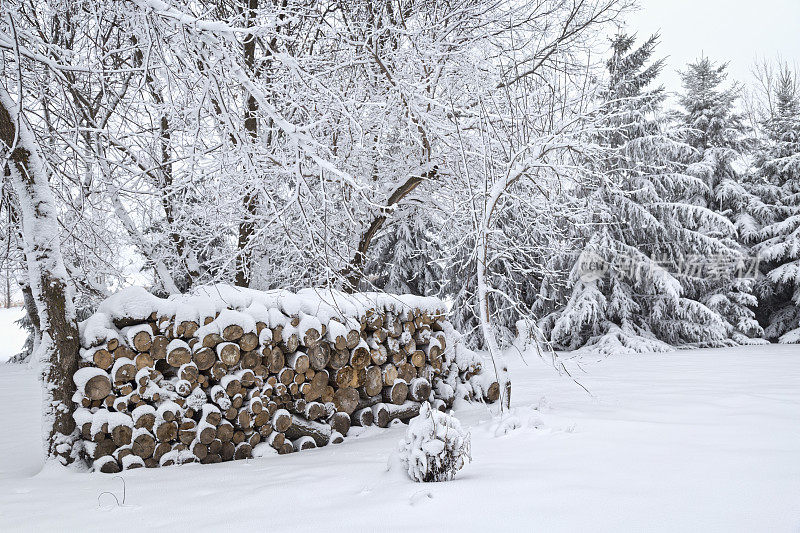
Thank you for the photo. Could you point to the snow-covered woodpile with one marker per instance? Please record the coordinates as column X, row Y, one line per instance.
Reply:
column 225, row 373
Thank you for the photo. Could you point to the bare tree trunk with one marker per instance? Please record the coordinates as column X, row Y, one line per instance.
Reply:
column 8, row 285
column 58, row 350
column 484, row 314
column 164, row 173
column 247, row 226
column 33, row 314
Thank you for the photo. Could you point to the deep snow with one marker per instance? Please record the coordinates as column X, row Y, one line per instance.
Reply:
column 703, row 440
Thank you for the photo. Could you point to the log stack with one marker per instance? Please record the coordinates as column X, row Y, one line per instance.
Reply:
column 217, row 374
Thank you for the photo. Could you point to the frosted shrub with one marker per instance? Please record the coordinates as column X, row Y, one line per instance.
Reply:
column 435, row 446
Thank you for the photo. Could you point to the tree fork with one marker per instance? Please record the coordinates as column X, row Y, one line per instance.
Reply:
column 353, row 273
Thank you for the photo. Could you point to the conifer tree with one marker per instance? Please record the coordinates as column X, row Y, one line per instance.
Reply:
column 778, row 179
column 717, row 134
column 406, row 259
column 627, row 295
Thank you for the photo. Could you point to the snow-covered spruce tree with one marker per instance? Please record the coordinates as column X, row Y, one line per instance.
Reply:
column 778, row 182
column 406, row 260
column 435, row 446
column 49, row 282
column 626, row 293
column 717, row 133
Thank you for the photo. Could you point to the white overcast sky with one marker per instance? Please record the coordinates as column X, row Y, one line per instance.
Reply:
column 737, row 31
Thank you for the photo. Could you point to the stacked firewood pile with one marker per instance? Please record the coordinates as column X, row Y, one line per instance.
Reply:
column 229, row 373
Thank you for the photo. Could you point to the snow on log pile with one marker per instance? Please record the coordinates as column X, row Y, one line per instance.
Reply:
column 227, row 373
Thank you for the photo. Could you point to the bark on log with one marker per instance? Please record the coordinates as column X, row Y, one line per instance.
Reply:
column 419, row 389
column 300, row 427
column 346, row 399
column 363, row 417
column 340, row 422
column 405, row 411
column 396, row 393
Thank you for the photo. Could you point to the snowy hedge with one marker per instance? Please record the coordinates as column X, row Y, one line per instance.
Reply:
column 435, row 446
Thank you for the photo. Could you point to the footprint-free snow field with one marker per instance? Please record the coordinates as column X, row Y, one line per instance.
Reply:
column 702, row 440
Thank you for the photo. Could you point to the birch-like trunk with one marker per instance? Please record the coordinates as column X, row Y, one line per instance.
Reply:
column 485, row 316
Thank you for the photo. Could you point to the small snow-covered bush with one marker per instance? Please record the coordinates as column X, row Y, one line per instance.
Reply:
column 435, row 446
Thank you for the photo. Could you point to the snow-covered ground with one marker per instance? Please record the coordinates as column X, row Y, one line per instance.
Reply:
column 704, row 440
column 12, row 337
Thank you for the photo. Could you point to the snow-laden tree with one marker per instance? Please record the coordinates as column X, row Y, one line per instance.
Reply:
column 51, row 291
column 716, row 132
column 64, row 100
column 517, row 142
column 406, row 260
column 627, row 293
column 777, row 184
column 527, row 238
